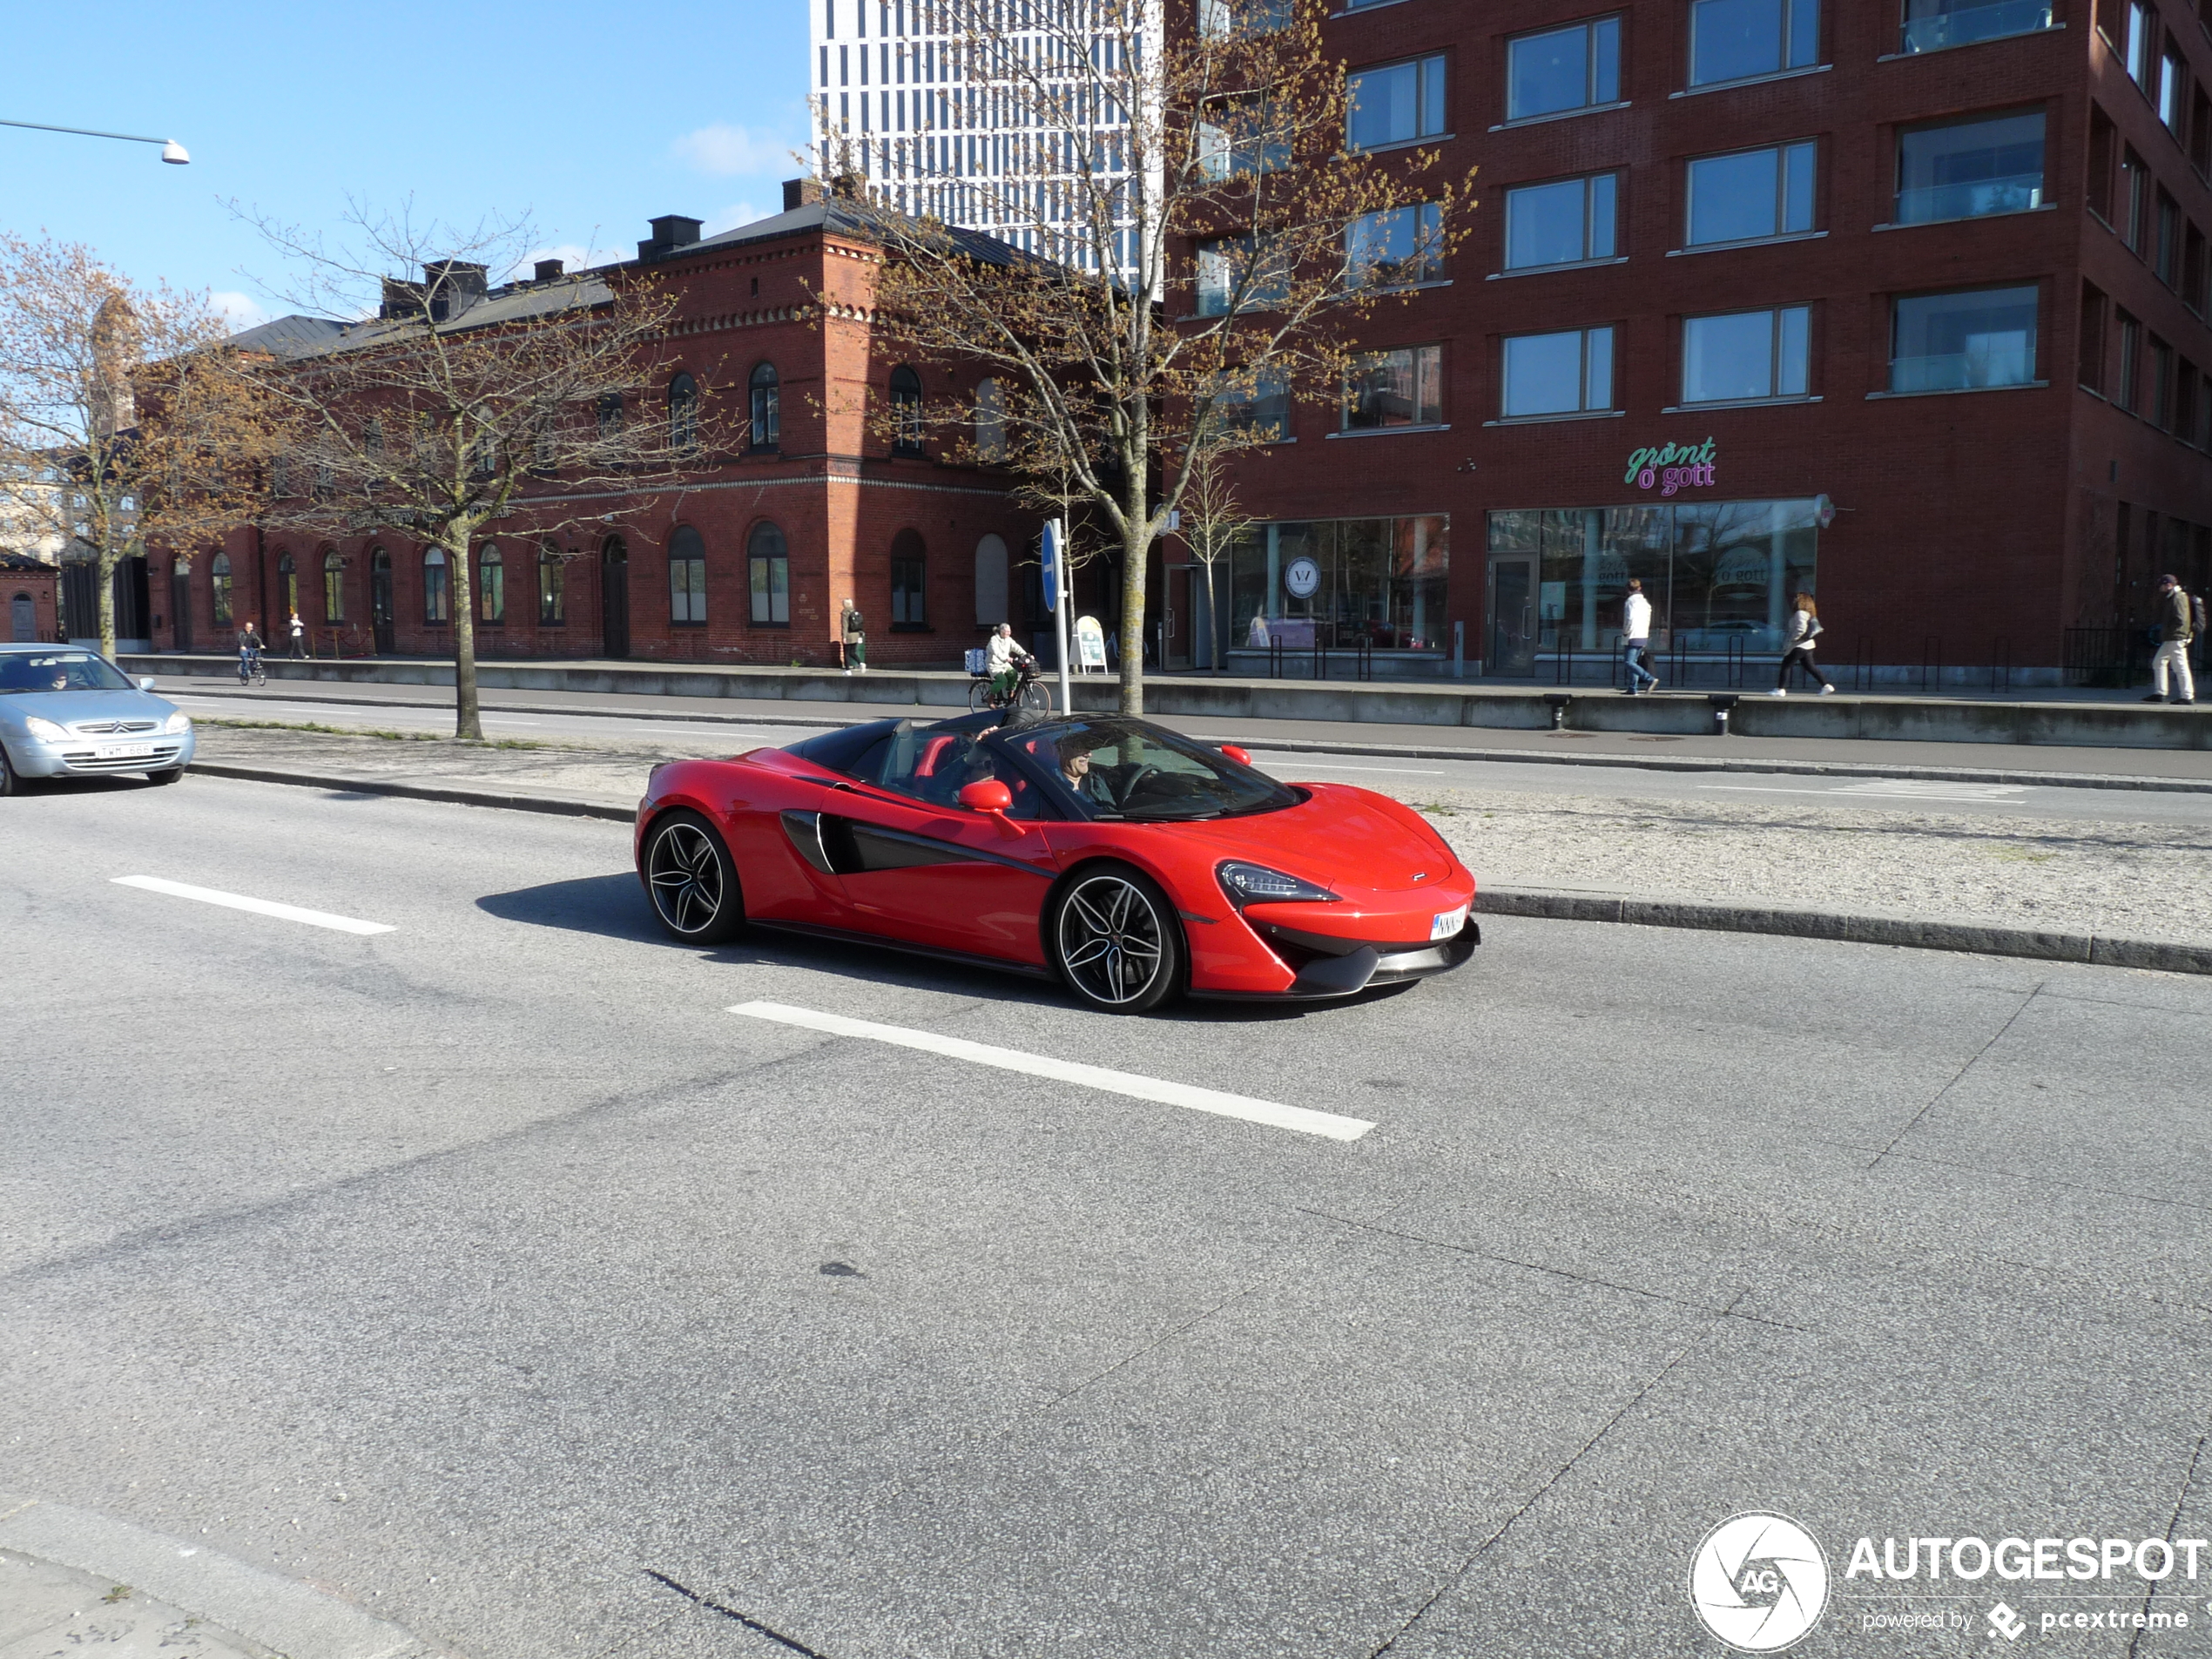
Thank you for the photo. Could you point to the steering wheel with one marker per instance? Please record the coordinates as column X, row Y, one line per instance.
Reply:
column 1137, row 778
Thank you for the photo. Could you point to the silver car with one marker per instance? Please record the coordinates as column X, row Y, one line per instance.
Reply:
column 68, row 712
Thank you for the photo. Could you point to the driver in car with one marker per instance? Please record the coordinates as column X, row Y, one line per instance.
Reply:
column 1076, row 772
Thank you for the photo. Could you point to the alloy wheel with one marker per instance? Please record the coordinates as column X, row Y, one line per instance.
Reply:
column 1113, row 942
column 684, row 871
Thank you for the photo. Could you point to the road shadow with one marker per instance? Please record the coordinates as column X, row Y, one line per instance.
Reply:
column 612, row 906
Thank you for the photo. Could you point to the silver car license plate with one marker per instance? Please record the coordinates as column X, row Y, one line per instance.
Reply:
column 124, row 751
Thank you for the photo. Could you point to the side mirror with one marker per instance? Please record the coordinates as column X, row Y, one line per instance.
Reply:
column 145, row 683
column 986, row 795
column 1236, row 754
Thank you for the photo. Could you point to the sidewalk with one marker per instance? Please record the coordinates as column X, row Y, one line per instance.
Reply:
column 2128, row 893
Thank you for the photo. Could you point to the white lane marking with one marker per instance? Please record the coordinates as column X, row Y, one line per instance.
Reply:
column 259, row 906
column 1070, row 1071
column 1317, row 765
column 1863, row 791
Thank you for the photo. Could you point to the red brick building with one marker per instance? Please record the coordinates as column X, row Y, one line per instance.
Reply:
column 30, row 589
column 1903, row 303
column 749, row 562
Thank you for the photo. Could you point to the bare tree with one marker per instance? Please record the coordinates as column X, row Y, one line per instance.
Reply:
column 453, row 401
column 1185, row 230
column 1214, row 523
column 124, row 423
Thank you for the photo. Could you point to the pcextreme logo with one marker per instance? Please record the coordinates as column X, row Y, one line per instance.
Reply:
column 1758, row 1582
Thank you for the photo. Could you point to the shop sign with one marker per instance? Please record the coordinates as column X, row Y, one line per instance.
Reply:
column 1302, row 577
column 1669, row 466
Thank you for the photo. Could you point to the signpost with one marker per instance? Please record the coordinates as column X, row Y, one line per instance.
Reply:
column 1056, row 592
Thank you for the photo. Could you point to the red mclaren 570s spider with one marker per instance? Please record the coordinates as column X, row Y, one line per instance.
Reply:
column 1127, row 861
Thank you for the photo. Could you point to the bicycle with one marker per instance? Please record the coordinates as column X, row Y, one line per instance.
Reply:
column 1030, row 691
column 250, row 671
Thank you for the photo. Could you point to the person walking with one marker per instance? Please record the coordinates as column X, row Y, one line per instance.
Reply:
column 854, row 628
column 299, row 637
column 1635, row 639
column 2176, row 628
column 1799, row 633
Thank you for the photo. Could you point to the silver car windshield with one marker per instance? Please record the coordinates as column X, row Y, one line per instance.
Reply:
column 59, row 671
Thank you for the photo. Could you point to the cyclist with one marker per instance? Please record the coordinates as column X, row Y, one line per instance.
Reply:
column 1002, row 661
column 249, row 652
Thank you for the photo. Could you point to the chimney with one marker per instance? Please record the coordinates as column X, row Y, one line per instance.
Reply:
column 453, row 286
column 799, row 192
column 546, row 270
column 671, row 231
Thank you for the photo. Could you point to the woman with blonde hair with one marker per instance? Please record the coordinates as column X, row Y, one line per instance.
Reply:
column 1799, row 634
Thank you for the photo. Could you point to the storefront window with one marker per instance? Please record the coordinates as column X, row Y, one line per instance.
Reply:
column 1339, row 582
column 1720, row 575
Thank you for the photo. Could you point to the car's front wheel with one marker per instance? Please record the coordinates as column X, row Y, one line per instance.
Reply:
column 693, row 883
column 1117, row 941
column 9, row 784
column 175, row 774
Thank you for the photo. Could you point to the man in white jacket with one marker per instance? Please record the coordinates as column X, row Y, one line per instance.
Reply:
column 1635, row 639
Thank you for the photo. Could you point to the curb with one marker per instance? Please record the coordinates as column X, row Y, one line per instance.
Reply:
column 276, row 1613
column 1378, row 751
column 1912, row 932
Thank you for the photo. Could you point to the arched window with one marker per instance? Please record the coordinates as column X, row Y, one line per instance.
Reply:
column 437, row 588
column 768, row 575
column 906, row 411
column 990, row 583
column 767, row 407
column 333, row 586
column 219, row 583
column 552, row 587
column 287, row 589
column 990, row 421
column 491, row 586
column 686, row 576
column 909, row 581
column 682, row 413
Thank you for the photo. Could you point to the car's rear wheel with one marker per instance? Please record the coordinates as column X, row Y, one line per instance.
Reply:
column 693, row 883
column 9, row 783
column 175, row 774
column 1116, row 940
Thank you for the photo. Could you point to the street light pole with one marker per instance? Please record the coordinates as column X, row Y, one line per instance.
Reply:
column 171, row 152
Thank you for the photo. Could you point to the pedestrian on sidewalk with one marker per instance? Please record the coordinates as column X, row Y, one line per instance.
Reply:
column 2176, row 628
column 1799, row 633
column 1635, row 639
column 299, row 637
column 853, row 628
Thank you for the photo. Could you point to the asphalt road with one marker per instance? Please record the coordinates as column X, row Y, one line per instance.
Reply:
column 488, row 1271
column 1534, row 777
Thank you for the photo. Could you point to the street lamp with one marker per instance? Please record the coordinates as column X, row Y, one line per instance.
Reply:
column 171, row 152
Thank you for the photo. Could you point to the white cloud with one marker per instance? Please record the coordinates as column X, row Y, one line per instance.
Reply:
column 725, row 150
column 241, row 310
column 729, row 217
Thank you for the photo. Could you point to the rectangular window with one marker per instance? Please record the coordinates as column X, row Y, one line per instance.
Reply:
column 2090, row 345
column 2138, row 45
column 1395, row 388
column 1969, row 168
column 1397, row 248
column 1931, row 25
column 1751, row 195
column 2166, row 250
column 1743, row 356
column 909, row 595
column 1565, row 223
column 2131, row 363
column 687, row 589
column 2173, row 89
column 1558, row 374
column 769, row 579
column 1956, row 342
column 2200, row 131
column 1737, row 40
column 1397, row 103
column 552, row 590
column 2193, row 269
column 1227, row 276
column 1259, row 409
column 2097, row 179
column 1378, row 581
column 2134, row 199
column 1575, row 68
column 2162, row 383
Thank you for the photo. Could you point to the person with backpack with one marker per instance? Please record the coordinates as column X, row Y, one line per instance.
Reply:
column 1798, row 634
column 852, row 629
column 2178, row 620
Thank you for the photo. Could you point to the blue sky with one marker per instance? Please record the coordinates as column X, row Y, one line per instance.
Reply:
column 591, row 118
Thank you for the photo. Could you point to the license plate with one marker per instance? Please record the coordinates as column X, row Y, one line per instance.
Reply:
column 124, row 751
column 1447, row 922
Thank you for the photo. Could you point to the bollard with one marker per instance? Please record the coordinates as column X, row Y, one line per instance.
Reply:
column 1721, row 707
column 1559, row 709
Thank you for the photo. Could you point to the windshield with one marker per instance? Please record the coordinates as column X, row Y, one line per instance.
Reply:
column 1115, row 767
column 59, row 670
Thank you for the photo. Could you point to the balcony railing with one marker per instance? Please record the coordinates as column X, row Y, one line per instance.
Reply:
column 1962, row 25
column 1973, row 199
column 1963, row 371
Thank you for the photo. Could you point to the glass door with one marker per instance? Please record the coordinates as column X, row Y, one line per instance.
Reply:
column 380, row 601
column 1512, row 651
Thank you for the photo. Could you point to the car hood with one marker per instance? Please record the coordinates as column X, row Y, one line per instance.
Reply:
column 73, row 709
column 1339, row 837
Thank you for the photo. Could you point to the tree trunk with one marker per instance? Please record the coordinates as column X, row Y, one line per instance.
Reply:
column 1135, row 553
column 467, row 718
column 104, row 578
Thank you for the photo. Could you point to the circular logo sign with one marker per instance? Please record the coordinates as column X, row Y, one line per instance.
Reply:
column 1302, row 577
column 1758, row 1582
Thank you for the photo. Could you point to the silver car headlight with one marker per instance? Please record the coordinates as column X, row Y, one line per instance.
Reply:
column 46, row 731
column 180, row 722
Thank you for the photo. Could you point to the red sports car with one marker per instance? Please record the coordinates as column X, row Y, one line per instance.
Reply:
column 1132, row 863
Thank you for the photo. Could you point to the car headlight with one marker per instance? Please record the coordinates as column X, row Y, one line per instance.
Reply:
column 1256, row 884
column 180, row 722
column 46, row 731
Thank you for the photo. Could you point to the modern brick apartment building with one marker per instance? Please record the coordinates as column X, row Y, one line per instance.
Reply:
column 1903, row 303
